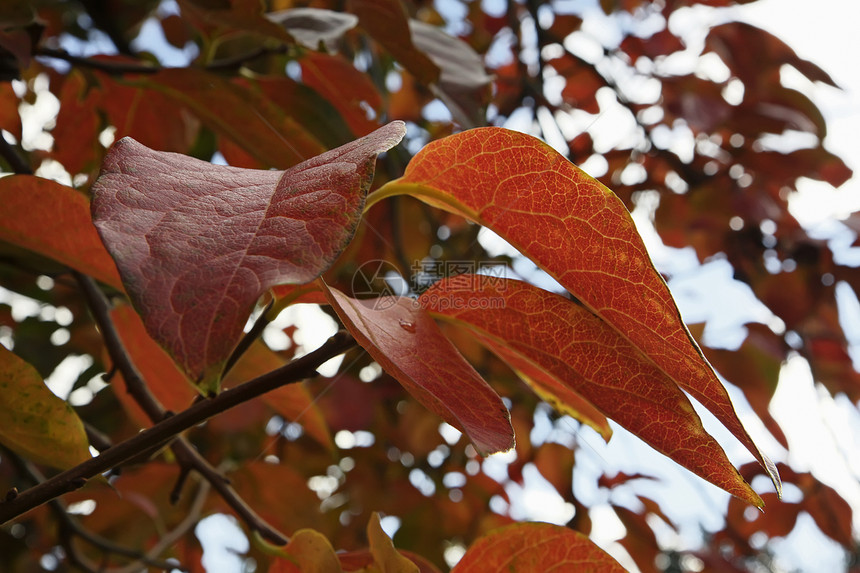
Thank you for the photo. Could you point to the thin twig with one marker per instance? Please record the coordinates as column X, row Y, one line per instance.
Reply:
column 248, row 339
column 110, row 67
column 167, row 429
column 72, row 527
column 187, row 456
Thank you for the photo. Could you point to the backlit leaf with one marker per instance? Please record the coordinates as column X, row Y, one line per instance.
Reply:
column 580, row 233
column 37, row 424
column 585, row 354
column 406, row 342
column 197, row 244
column 309, row 552
column 529, row 547
column 54, row 220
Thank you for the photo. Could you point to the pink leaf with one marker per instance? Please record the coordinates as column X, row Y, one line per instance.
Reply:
column 197, row 244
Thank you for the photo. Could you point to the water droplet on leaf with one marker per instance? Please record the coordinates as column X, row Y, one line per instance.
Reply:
column 407, row 326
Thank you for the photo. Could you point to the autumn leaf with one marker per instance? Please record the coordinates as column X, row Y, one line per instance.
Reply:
column 247, row 118
column 528, row 547
column 308, row 552
column 163, row 378
column 387, row 558
column 197, row 244
column 406, row 342
column 386, row 21
column 54, row 221
column 37, row 424
column 583, row 353
column 580, row 233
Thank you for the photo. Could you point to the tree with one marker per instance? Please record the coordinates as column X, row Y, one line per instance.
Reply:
column 147, row 259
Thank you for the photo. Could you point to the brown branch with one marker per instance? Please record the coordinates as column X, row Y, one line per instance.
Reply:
column 118, row 68
column 248, row 339
column 187, row 456
column 110, row 67
column 168, row 428
column 69, row 526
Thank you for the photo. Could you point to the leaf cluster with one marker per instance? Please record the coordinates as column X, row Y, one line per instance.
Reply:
column 367, row 147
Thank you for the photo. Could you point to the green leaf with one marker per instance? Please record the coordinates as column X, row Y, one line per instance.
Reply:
column 37, row 424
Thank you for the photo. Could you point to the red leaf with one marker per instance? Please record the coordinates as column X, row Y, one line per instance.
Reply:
column 525, row 547
column 54, row 221
column 585, row 354
column 406, row 342
column 76, row 131
column 197, row 244
column 579, row 232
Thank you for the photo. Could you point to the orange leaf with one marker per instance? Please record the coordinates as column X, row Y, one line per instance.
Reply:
column 406, row 342
column 162, row 376
column 309, row 552
column 527, row 547
column 586, row 355
column 350, row 91
column 387, row 558
column 54, row 221
column 580, row 233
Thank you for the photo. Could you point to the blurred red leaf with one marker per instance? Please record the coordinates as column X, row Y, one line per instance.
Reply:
column 75, row 143
column 751, row 53
column 754, row 368
column 387, row 23
column 581, row 85
column 527, row 547
column 10, row 119
column 349, row 90
column 250, row 120
column 661, row 43
column 198, row 244
column 406, row 342
column 148, row 116
column 54, row 221
column 580, row 233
